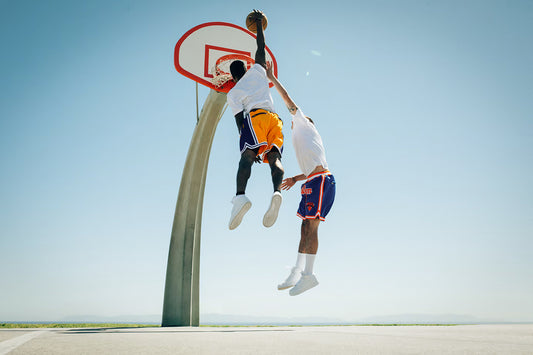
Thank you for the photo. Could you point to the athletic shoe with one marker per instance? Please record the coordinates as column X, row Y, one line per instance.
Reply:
column 306, row 282
column 291, row 280
column 272, row 213
column 241, row 205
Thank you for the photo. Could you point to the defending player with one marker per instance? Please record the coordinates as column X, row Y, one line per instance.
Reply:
column 318, row 191
column 260, row 129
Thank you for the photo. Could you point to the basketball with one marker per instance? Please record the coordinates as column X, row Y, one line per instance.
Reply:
column 251, row 18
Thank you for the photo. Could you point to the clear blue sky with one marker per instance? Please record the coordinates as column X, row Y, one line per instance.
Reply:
column 425, row 109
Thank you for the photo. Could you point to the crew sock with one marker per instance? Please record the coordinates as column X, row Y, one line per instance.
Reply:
column 300, row 261
column 309, row 261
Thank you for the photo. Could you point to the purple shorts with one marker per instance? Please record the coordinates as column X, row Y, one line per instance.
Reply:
column 318, row 194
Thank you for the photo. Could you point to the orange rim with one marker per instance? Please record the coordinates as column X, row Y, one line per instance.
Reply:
column 248, row 60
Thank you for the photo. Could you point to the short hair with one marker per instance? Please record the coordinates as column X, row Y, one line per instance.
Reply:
column 309, row 118
column 237, row 69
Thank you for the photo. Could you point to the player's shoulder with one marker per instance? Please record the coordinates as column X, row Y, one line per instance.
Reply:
column 259, row 68
column 300, row 119
column 297, row 113
column 251, row 74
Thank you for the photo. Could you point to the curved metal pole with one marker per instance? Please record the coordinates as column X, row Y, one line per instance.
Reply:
column 181, row 302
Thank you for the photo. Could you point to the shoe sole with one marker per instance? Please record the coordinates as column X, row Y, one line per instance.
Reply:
column 238, row 218
column 302, row 291
column 272, row 214
column 284, row 288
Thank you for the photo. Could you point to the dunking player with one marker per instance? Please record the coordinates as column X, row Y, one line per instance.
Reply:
column 260, row 129
column 318, row 191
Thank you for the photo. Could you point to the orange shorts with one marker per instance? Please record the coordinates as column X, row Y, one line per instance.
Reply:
column 261, row 130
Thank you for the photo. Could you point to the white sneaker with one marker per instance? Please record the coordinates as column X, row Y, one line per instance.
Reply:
column 241, row 205
column 293, row 278
column 306, row 282
column 272, row 213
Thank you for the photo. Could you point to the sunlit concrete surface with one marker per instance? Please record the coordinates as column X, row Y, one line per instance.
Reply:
column 461, row 339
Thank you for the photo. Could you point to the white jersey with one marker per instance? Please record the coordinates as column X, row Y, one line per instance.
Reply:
column 251, row 91
column 307, row 144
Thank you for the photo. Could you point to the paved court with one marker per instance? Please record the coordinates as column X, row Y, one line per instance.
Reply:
column 462, row 339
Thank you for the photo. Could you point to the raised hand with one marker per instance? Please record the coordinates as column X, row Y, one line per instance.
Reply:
column 269, row 70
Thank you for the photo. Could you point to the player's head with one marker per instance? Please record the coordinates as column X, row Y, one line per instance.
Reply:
column 237, row 69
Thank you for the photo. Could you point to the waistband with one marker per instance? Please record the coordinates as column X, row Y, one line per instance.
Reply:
column 260, row 111
column 321, row 173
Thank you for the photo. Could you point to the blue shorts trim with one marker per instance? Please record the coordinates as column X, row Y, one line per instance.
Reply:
column 248, row 139
column 318, row 195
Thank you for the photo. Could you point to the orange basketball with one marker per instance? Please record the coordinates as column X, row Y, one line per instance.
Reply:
column 252, row 25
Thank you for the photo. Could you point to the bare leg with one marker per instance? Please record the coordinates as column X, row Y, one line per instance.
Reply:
column 245, row 170
column 276, row 169
column 309, row 236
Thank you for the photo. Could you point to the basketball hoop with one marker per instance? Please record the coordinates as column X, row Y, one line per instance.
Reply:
column 198, row 53
column 221, row 72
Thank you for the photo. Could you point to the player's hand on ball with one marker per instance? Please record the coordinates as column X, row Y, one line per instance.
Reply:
column 257, row 15
column 254, row 19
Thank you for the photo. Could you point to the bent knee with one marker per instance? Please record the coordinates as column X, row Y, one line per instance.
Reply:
column 274, row 157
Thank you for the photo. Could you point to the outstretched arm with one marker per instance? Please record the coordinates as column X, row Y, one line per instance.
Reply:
column 260, row 56
column 289, row 182
column 281, row 90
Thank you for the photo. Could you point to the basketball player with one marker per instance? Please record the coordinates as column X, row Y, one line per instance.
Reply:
column 260, row 128
column 318, row 191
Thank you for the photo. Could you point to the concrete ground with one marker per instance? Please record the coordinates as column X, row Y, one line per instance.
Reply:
column 461, row 339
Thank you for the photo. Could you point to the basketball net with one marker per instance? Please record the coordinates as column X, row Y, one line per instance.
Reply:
column 221, row 71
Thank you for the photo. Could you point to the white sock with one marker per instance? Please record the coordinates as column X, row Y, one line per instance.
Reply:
column 309, row 261
column 300, row 261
